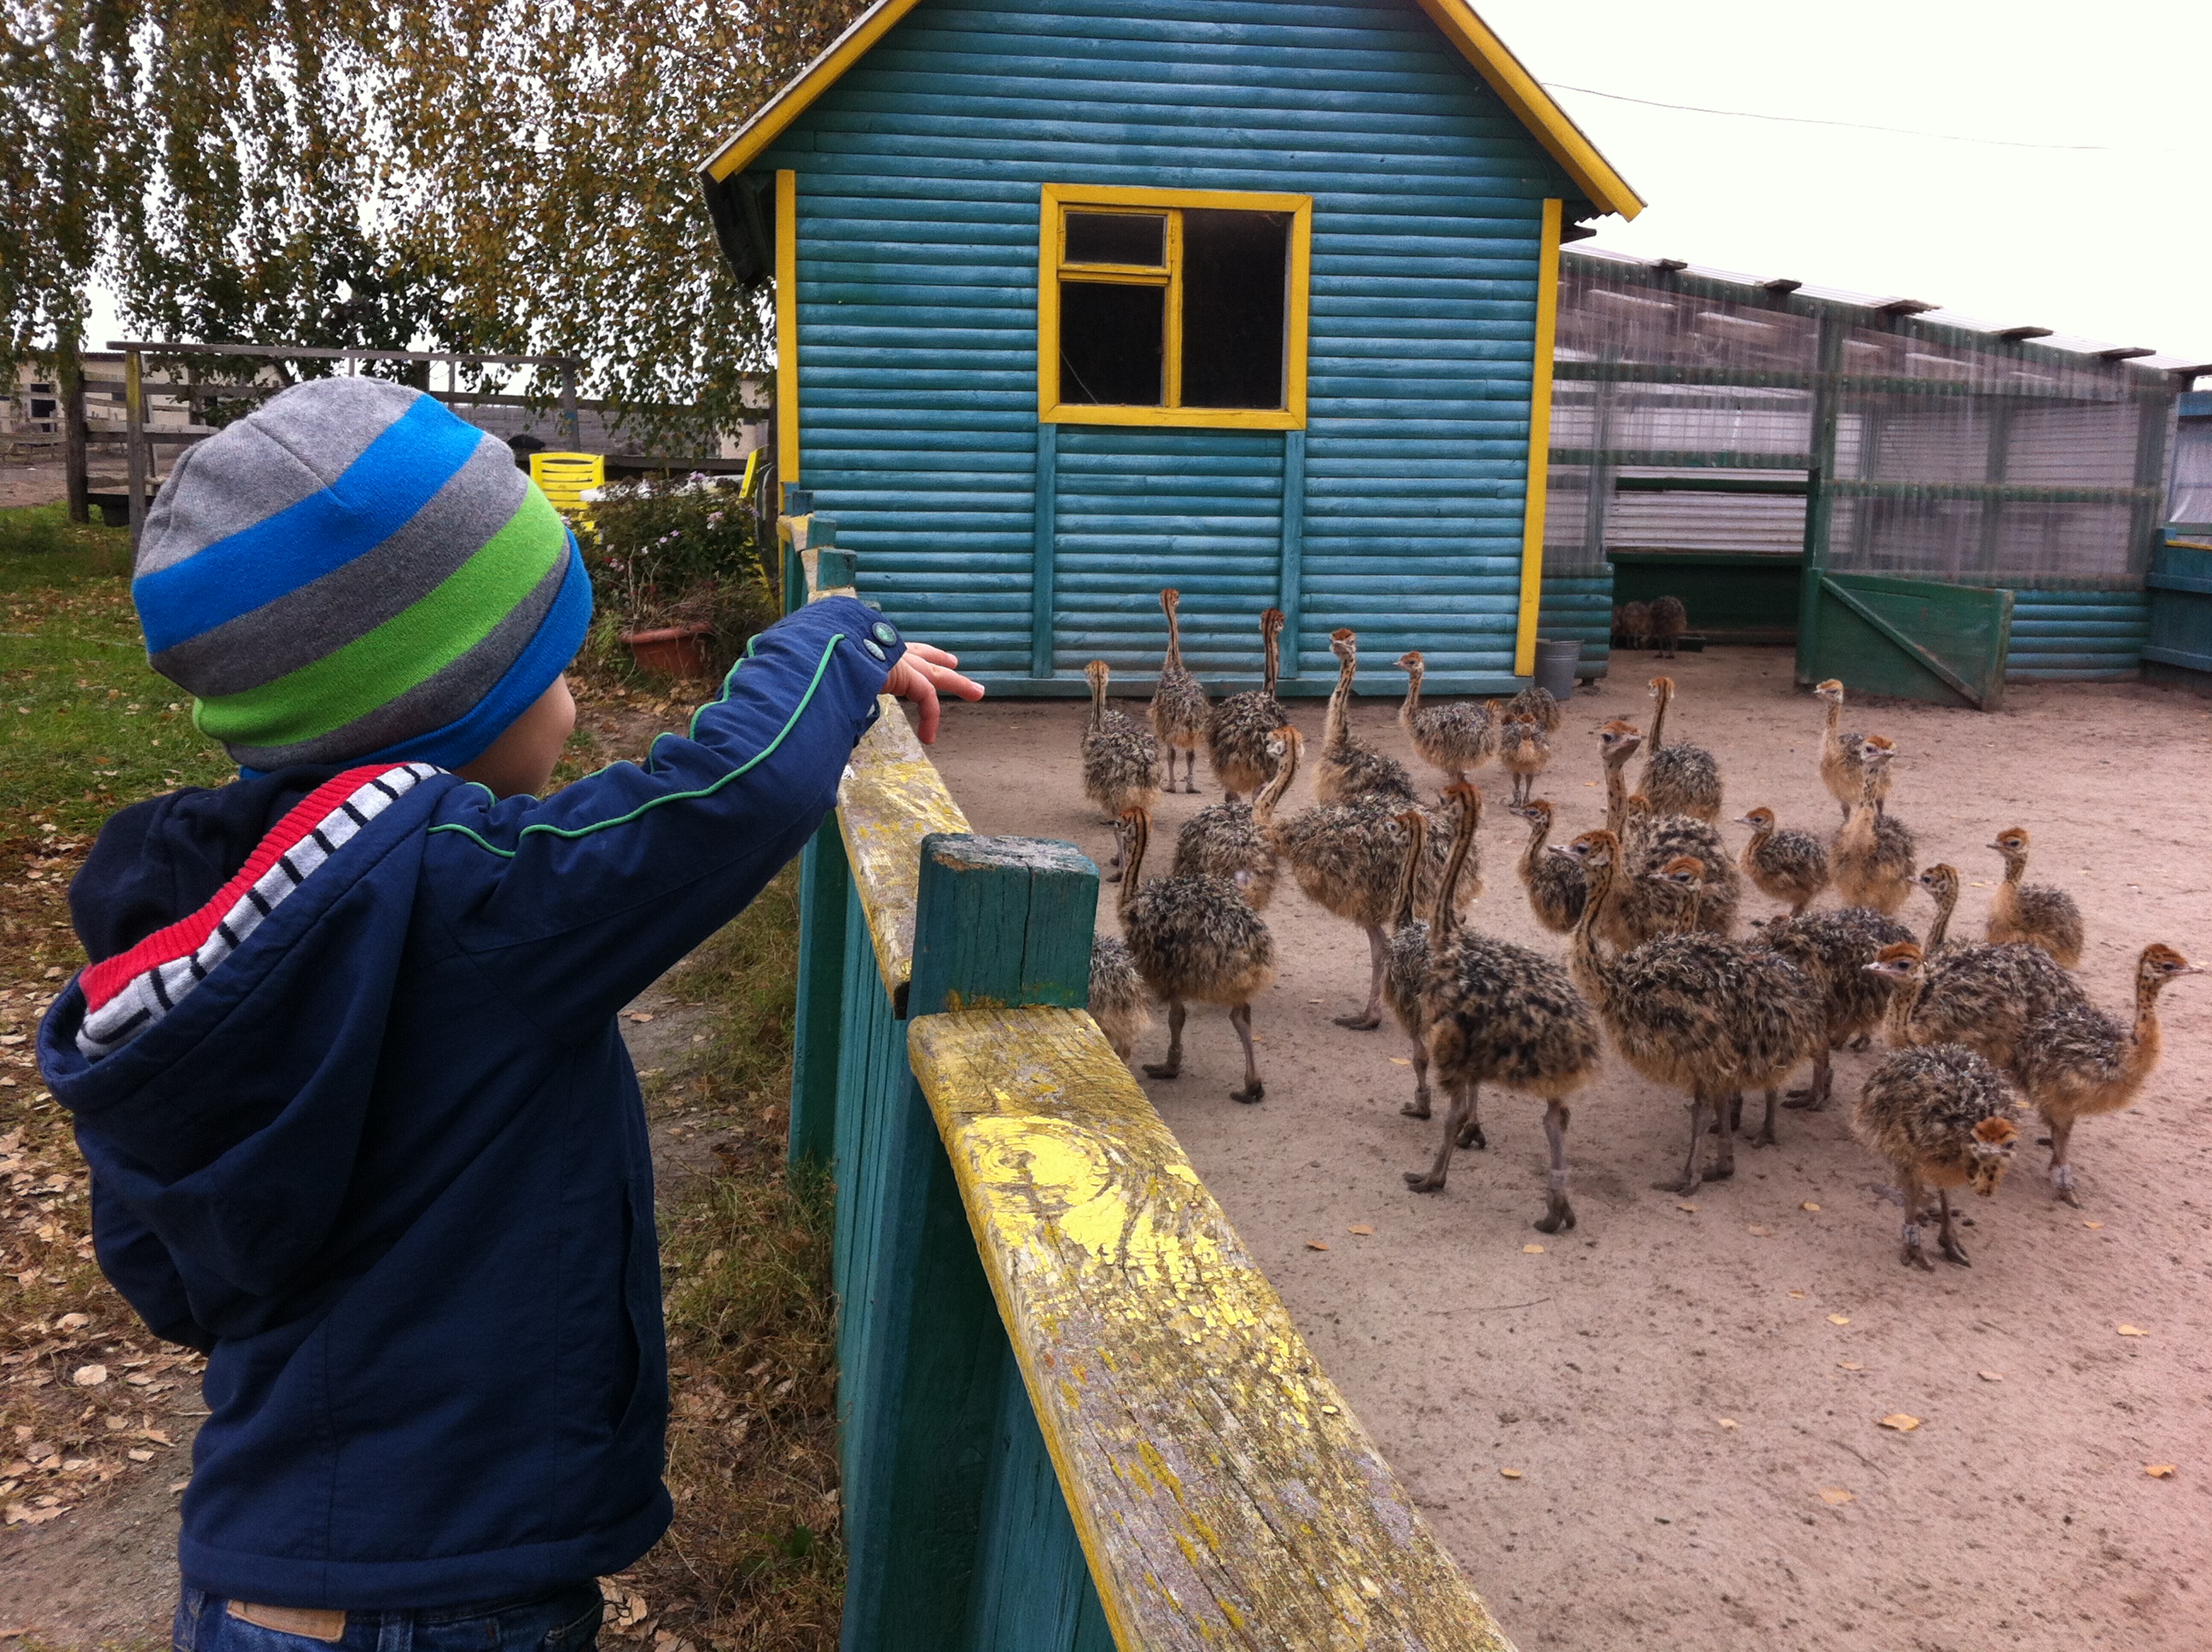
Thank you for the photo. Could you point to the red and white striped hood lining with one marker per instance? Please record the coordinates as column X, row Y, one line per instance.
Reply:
column 127, row 994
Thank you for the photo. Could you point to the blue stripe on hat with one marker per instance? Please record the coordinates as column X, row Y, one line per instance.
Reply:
column 547, row 654
column 372, row 499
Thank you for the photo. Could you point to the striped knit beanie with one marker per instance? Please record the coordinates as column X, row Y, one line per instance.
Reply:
column 353, row 575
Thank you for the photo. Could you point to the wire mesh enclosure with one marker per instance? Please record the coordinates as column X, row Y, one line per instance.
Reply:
column 1698, row 412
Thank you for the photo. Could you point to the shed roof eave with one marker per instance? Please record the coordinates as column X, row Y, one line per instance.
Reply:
column 1520, row 91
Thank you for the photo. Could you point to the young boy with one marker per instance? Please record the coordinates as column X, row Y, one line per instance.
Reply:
column 344, row 1063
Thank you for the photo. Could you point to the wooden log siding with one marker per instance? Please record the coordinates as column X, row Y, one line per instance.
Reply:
column 917, row 185
column 1224, row 1493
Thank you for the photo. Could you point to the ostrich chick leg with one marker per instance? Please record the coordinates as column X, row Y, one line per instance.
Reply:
column 1723, row 1165
column 1253, row 1090
column 1470, row 1131
column 1558, row 1214
column 1953, row 1249
column 1908, row 1181
column 1455, row 1118
column 1190, row 771
column 1765, row 1136
column 1689, row 1180
column 1172, row 1067
column 1418, row 1107
column 1378, row 949
column 2061, row 1172
column 1814, row 1098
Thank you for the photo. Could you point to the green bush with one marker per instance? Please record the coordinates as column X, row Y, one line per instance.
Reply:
column 678, row 553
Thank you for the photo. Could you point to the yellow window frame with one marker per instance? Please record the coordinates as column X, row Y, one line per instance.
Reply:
column 1052, row 264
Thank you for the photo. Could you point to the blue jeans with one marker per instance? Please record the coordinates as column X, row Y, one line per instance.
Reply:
column 564, row 1619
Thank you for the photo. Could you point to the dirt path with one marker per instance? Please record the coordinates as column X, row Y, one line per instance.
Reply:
column 1678, row 1388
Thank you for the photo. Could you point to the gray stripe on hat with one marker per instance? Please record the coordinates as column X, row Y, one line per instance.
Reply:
column 289, row 449
column 438, row 700
column 302, row 626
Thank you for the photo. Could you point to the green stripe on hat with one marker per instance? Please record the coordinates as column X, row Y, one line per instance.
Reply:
column 414, row 645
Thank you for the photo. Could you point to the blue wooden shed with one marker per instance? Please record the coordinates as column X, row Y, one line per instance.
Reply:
column 1078, row 298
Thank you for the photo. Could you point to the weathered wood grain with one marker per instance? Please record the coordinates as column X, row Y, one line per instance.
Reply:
column 892, row 798
column 1225, row 1494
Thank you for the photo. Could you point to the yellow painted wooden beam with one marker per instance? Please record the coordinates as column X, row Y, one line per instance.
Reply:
column 1540, row 443
column 1225, row 1494
column 1523, row 94
column 787, row 328
column 892, row 798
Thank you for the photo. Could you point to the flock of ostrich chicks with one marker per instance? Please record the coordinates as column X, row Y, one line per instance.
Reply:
column 1649, row 904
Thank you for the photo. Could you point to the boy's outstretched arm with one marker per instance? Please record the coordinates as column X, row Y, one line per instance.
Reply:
column 573, row 903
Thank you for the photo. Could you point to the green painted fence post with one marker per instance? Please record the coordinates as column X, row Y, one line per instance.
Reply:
column 1001, row 921
column 825, row 883
column 1821, row 491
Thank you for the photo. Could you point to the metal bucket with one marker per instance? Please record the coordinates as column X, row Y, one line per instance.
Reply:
column 1556, row 659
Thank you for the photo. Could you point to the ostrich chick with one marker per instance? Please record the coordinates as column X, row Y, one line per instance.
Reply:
column 1455, row 736
column 1238, row 729
column 1538, row 704
column 1694, row 1012
column 1408, row 970
column 1120, row 759
column 1119, row 1003
column 1873, row 857
column 1498, row 1013
column 1834, row 948
column 2035, row 912
column 1840, row 767
column 1679, row 779
column 1345, row 768
column 1236, row 841
column 1941, row 1117
column 1179, row 708
column 2081, row 1062
column 1555, row 883
column 1669, row 621
column 1522, row 750
column 1632, row 623
column 1194, row 940
column 1789, row 866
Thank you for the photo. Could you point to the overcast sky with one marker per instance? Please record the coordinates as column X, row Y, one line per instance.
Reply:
column 2111, row 239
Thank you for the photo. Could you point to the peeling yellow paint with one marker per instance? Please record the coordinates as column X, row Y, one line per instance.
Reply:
column 1202, row 1453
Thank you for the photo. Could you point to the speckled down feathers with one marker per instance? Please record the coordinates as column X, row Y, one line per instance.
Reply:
column 1498, row 1013
column 1683, row 779
column 1119, row 1002
column 2039, row 915
column 1701, row 1013
column 1455, row 736
column 1873, row 860
column 1919, row 1107
column 1786, row 865
column 1984, row 997
column 1656, row 839
column 1833, row 949
column 1347, row 857
column 1556, row 883
column 1236, row 736
column 1180, row 710
column 1194, row 938
column 1121, row 764
column 1225, row 840
column 1539, row 705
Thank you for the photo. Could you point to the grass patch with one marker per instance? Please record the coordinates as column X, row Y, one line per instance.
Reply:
column 754, row 1560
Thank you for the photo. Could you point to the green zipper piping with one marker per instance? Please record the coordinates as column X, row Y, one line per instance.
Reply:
column 762, row 755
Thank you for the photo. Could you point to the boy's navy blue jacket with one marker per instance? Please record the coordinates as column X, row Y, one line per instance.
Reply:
column 388, row 1164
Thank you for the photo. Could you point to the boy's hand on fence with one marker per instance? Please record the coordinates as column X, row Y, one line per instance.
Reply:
column 921, row 674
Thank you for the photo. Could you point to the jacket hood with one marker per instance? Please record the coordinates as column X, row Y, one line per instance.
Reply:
column 228, row 1108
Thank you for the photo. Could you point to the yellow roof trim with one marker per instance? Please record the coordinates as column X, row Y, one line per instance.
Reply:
column 1523, row 94
column 810, row 83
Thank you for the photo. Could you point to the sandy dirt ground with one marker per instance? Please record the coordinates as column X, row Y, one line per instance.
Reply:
column 1686, row 1392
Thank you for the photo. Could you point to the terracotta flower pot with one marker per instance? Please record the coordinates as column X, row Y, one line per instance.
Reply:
column 673, row 651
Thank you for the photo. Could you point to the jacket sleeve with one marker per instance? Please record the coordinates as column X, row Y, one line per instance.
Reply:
column 573, row 903
column 139, row 1266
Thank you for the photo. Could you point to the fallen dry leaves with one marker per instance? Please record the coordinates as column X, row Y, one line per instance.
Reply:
column 1834, row 1494
column 1315, row 1244
column 1809, row 1205
column 1509, row 1473
column 1903, row 1422
column 2159, row 1471
column 1990, row 1376
column 1532, row 1250
column 2133, row 1331
column 1362, row 1229
column 1839, row 1318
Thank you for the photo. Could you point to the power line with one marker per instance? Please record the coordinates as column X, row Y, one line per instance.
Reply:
column 1806, row 120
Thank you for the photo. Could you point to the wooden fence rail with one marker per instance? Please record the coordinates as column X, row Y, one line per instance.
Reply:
column 1073, row 1413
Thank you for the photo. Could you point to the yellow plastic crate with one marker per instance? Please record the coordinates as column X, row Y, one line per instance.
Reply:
column 564, row 477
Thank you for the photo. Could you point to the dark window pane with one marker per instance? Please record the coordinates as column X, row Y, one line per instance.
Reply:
column 1235, row 303
column 1117, row 238
column 1110, row 342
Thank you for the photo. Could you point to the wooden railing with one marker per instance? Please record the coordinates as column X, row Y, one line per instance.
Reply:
column 1073, row 1412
